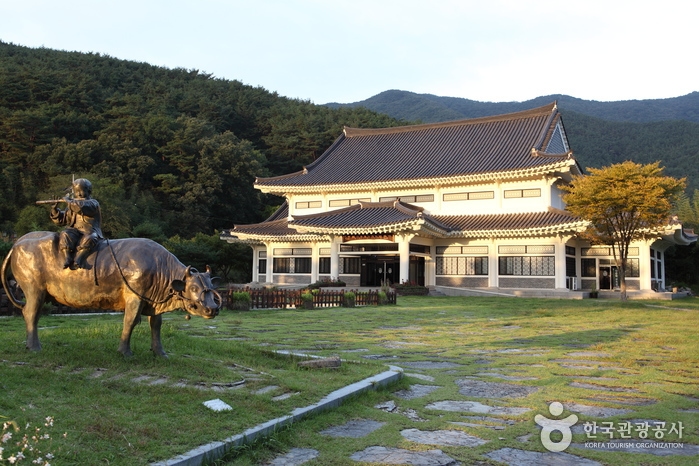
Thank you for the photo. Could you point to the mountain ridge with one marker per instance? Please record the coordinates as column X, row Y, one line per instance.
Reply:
column 430, row 108
column 600, row 133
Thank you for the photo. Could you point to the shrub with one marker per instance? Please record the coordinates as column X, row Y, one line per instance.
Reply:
column 411, row 289
column 348, row 299
column 307, row 299
column 240, row 301
column 326, row 282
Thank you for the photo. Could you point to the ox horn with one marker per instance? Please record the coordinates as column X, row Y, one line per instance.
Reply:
column 188, row 271
column 208, row 269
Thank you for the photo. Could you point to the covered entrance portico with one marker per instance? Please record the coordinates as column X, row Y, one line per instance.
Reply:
column 377, row 269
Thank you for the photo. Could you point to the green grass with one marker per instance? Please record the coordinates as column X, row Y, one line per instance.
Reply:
column 116, row 421
column 81, row 381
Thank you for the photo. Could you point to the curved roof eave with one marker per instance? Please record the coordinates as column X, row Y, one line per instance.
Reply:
column 571, row 228
column 567, row 165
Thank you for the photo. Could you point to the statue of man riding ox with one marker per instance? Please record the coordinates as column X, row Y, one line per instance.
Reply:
column 137, row 276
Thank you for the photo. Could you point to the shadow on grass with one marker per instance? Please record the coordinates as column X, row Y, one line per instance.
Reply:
column 571, row 340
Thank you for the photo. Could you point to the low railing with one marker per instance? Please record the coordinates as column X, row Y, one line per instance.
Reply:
column 261, row 298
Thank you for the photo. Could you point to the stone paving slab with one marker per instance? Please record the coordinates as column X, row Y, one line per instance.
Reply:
column 430, row 364
column 455, row 438
column 354, row 429
column 605, row 388
column 474, row 424
column 512, row 378
column 476, row 407
column 483, row 389
column 517, row 457
column 596, row 411
column 588, row 354
column 383, row 455
column 623, row 400
column 391, row 407
column 416, row 391
column 295, row 457
column 426, row 378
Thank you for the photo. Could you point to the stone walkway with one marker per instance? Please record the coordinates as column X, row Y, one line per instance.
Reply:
column 498, row 402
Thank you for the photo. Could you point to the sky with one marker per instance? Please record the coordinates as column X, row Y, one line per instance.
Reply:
column 347, row 51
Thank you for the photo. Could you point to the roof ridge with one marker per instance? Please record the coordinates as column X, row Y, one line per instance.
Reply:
column 544, row 110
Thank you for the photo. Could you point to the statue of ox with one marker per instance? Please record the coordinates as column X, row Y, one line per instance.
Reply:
column 137, row 276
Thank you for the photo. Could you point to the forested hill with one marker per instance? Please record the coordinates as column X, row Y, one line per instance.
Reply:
column 431, row 108
column 600, row 133
column 169, row 151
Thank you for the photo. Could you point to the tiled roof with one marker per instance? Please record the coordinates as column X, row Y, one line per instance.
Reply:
column 507, row 225
column 503, row 143
column 365, row 216
column 396, row 216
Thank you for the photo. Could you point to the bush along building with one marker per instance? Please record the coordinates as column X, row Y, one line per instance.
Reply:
column 463, row 205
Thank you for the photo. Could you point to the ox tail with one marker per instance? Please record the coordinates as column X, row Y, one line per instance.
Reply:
column 5, row 284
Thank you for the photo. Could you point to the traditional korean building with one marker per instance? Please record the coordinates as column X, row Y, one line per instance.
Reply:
column 470, row 204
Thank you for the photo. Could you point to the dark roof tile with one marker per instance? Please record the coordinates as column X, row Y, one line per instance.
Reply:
column 483, row 145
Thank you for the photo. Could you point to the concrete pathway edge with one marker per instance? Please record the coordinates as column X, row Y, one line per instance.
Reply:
column 215, row 450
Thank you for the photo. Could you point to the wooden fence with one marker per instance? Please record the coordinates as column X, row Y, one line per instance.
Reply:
column 261, row 298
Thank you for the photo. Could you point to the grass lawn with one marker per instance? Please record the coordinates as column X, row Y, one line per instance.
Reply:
column 143, row 409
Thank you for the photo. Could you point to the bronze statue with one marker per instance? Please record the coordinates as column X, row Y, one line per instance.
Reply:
column 83, row 221
column 136, row 275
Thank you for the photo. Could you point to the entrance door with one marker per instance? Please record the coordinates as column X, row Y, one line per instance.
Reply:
column 609, row 277
column 417, row 270
column 375, row 269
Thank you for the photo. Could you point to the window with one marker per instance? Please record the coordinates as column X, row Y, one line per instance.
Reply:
column 460, row 265
column 281, row 265
column 517, row 193
column 570, row 267
column 462, row 249
column 309, row 205
column 469, row 196
column 420, row 248
column 525, row 265
column 633, row 268
column 346, row 202
column 302, row 265
column 351, row 265
column 589, row 268
column 411, row 198
column 262, row 266
column 521, row 249
column 324, row 265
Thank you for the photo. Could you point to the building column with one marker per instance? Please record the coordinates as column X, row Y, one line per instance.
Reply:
column 269, row 277
column 255, row 264
column 431, row 267
column 644, row 263
column 560, row 261
column 404, row 251
column 335, row 242
column 315, row 262
column 493, row 264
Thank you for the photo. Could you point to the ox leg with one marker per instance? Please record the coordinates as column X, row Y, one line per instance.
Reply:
column 31, row 313
column 132, row 317
column 156, row 322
